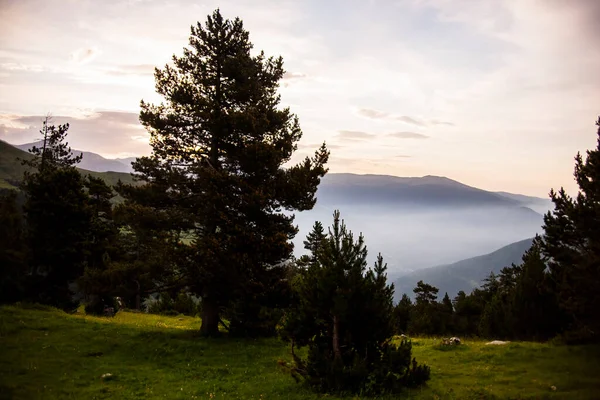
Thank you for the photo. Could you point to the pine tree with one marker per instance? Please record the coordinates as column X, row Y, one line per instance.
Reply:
column 58, row 219
column 571, row 243
column 97, row 284
column 402, row 313
column 535, row 310
column 219, row 144
column 13, row 252
column 425, row 316
column 343, row 314
column 447, row 303
column 55, row 151
column 314, row 240
column 425, row 293
column 447, row 315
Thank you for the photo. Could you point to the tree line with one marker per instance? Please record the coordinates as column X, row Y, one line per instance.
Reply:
column 208, row 224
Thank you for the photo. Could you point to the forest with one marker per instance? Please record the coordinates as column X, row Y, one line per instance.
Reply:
column 204, row 230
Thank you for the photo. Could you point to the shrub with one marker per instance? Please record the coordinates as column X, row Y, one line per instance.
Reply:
column 164, row 304
column 97, row 305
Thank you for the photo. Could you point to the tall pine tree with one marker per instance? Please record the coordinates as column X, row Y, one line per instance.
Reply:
column 571, row 243
column 58, row 218
column 219, row 146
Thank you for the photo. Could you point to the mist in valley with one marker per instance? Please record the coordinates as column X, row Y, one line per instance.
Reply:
column 412, row 238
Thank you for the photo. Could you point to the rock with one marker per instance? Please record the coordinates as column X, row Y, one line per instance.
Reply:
column 107, row 376
column 497, row 342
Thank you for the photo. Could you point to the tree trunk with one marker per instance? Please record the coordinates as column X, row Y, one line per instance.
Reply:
column 210, row 319
column 138, row 301
column 337, row 354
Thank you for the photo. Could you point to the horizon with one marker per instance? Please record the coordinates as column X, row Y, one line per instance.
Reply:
column 498, row 95
column 357, row 174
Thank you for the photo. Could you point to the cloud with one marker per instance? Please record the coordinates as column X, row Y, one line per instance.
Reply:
column 407, row 135
column 355, row 135
column 587, row 12
column 107, row 133
column 133, row 69
column 373, row 114
column 410, row 120
column 11, row 66
column 382, row 115
column 438, row 122
column 402, row 156
column 293, row 75
column 85, row 55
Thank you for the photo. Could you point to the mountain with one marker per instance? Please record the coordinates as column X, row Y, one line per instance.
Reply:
column 417, row 222
column 417, row 192
column 92, row 161
column 538, row 204
column 463, row 275
column 11, row 170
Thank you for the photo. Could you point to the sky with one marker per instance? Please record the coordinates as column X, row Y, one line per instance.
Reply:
column 497, row 94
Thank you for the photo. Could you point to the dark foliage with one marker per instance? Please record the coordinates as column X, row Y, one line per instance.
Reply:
column 13, row 251
column 571, row 244
column 342, row 313
column 219, row 145
column 58, row 220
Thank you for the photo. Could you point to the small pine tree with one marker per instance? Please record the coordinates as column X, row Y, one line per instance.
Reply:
column 402, row 313
column 314, row 241
column 426, row 315
column 447, row 315
column 343, row 314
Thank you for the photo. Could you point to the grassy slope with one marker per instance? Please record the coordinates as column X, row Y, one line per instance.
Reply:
column 49, row 354
column 12, row 170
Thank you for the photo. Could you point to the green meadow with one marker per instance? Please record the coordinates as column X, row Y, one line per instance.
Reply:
column 48, row 354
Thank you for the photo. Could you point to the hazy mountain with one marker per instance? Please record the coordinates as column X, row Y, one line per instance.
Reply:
column 414, row 222
column 463, row 275
column 427, row 191
column 92, row 161
column 419, row 222
column 11, row 170
column 127, row 162
column 538, row 204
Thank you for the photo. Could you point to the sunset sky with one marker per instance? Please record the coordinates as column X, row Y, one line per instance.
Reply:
column 498, row 94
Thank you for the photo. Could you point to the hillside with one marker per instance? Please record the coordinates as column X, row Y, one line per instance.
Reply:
column 11, row 170
column 92, row 161
column 463, row 275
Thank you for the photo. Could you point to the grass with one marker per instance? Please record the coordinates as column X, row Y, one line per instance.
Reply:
column 47, row 354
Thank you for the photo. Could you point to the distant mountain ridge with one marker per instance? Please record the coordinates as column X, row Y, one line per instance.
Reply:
column 463, row 275
column 415, row 222
column 345, row 188
column 11, row 170
column 92, row 161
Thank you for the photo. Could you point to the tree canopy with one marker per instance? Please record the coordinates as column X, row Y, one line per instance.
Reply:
column 220, row 165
